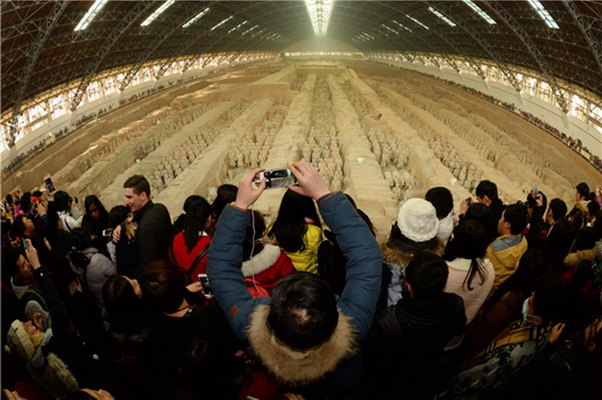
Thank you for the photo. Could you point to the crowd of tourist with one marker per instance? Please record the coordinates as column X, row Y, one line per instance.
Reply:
column 494, row 301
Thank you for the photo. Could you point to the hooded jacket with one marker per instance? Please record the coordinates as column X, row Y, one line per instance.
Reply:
column 246, row 315
column 505, row 258
column 268, row 266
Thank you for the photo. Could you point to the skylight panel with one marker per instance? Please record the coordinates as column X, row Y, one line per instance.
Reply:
column 544, row 14
column 418, row 22
column 479, row 11
column 319, row 13
column 250, row 29
column 89, row 16
column 390, row 29
column 223, row 22
column 403, row 26
column 196, row 18
column 238, row 26
column 159, row 11
column 443, row 17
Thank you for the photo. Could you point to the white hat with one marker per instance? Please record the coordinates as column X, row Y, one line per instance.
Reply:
column 417, row 220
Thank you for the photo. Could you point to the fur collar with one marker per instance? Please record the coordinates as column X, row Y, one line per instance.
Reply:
column 261, row 261
column 403, row 258
column 573, row 259
column 299, row 367
column 55, row 377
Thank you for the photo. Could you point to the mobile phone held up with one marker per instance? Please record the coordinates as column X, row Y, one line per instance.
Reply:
column 277, row 178
column 49, row 184
column 107, row 232
column 534, row 188
column 207, row 290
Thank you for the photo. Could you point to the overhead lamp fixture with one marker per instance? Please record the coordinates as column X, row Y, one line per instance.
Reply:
column 159, row 11
column 544, row 14
column 403, row 26
column 89, row 16
column 223, row 22
column 250, row 29
column 390, row 29
column 479, row 11
column 443, row 17
column 196, row 18
column 238, row 26
column 319, row 13
column 418, row 22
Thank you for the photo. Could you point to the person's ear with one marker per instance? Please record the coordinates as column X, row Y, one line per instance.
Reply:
column 38, row 320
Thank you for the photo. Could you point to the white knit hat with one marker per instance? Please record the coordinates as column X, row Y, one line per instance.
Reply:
column 18, row 341
column 417, row 220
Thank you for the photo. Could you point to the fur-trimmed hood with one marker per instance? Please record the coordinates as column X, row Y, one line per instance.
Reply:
column 261, row 261
column 55, row 376
column 403, row 258
column 299, row 367
column 573, row 259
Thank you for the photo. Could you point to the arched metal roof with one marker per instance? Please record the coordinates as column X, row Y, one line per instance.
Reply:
column 41, row 50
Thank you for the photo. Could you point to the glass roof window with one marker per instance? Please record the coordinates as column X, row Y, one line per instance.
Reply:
column 403, row 26
column 238, row 26
column 442, row 17
column 319, row 13
column 479, row 11
column 197, row 17
column 390, row 29
column 418, row 22
column 158, row 12
column 544, row 14
column 90, row 14
column 222, row 22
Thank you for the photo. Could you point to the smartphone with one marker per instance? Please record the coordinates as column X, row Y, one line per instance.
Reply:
column 107, row 232
column 277, row 178
column 25, row 245
column 468, row 201
column 207, row 290
column 49, row 184
column 534, row 187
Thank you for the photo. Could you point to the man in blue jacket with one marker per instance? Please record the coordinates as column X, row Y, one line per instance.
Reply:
column 304, row 335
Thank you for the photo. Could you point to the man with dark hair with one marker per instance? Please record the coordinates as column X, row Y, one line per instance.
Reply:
column 442, row 200
column 487, row 194
column 407, row 340
column 304, row 335
column 154, row 223
column 505, row 251
column 581, row 191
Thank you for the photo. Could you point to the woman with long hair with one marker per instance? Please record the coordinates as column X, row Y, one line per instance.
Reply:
column 297, row 230
column 226, row 194
column 470, row 275
column 189, row 247
column 95, row 221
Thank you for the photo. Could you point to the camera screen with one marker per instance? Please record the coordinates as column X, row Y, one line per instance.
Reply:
column 206, row 285
column 280, row 178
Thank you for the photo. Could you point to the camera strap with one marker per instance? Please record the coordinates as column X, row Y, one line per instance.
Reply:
column 196, row 261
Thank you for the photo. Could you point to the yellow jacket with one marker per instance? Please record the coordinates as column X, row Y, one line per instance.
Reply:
column 505, row 260
column 307, row 260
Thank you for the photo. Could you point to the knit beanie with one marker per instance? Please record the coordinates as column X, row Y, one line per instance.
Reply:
column 18, row 341
column 417, row 220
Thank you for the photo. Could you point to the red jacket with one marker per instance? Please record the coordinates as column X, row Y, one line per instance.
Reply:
column 268, row 266
column 180, row 256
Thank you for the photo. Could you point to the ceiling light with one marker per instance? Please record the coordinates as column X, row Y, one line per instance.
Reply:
column 403, row 26
column 479, row 11
column 223, row 22
column 196, row 18
column 250, row 29
column 544, row 14
column 418, row 22
column 159, row 11
column 89, row 16
column 390, row 29
column 238, row 26
column 319, row 13
column 443, row 17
